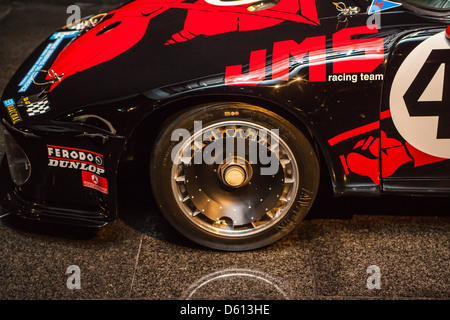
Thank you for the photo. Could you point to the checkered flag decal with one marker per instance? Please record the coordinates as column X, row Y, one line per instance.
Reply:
column 38, row 108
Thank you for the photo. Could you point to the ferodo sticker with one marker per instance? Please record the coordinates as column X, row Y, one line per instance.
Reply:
column 420, row 97
column 78, row 159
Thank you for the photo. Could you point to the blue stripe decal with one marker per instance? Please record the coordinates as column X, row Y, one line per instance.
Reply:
column 381, row 5
column 40, row 63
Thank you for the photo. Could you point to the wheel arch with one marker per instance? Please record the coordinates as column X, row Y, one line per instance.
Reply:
column 140, row 142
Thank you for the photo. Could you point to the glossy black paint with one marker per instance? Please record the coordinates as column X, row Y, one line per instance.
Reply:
column 133, row 93
column 410, row 179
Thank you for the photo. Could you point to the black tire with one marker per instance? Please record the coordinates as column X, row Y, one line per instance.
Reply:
column 304, row 157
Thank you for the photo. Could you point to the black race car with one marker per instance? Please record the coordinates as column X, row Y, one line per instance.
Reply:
column 237, row 107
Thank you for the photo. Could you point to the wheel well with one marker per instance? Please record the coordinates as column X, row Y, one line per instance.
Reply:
column 139, row 145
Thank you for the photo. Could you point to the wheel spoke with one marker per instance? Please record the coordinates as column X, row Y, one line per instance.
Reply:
column 270, row 215
column 288, row 180
column 198, row 144
column 185, row 160
column 225, row 223
column 274, row 147
column 180, row 179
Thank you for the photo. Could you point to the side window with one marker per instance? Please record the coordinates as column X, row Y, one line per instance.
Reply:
column 431, row 4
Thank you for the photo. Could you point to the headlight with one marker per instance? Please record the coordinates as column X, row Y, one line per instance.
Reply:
column 18, row 162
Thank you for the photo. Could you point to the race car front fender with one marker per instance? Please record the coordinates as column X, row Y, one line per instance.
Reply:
column 71, row 174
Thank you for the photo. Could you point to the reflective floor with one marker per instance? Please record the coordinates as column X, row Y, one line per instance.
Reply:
column 142, row 257
column 395, row 248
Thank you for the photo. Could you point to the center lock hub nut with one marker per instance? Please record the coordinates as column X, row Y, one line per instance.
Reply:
column 234, row 175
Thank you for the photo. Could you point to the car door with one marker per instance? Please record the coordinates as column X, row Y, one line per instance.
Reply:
column 415, row 121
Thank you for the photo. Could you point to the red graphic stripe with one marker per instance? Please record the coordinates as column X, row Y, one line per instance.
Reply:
column 368, row 142
column 64, row 159
column 243, row 10
column 344, row 164
column 361, row 130
column 308, row 10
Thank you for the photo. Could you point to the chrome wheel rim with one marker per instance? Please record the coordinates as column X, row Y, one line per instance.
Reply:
column 232, row 198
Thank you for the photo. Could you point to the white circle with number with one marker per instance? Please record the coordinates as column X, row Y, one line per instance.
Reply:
column 421, row 130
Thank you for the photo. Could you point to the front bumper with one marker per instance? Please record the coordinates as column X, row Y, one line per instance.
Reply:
column 72, row 178
column 11, row 202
